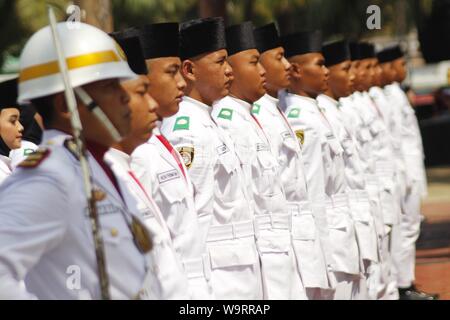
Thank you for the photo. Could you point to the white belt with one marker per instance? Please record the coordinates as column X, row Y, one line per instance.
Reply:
column 340, row 200
column 300, row 208
column 198, row 268
column 358, row 196
column 231, row 231
column 385, row 167
column 272, row 221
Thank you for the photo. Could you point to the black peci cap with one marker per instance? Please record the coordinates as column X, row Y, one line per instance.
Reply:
column 302, row 43
column 336, row 52
column 130, row 43
column 390, row 54
column 8, row 94
column 160, row 40
column 202, row 36
column 355, row 53
column 366, row 50
column 240, row 38
column 267, row 37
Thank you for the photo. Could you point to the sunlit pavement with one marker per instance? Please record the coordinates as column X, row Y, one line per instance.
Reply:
column 433, row 247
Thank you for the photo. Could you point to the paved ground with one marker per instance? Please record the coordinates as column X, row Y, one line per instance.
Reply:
column 433, row 247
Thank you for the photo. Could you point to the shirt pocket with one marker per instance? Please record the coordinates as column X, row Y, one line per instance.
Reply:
column 303, row 226
column 229, row 183
column 229, row 256
column 174, row 206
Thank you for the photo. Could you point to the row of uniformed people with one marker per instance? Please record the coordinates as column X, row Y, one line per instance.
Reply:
column 264, row 198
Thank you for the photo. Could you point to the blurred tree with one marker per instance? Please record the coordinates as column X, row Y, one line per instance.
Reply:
column 97, row 13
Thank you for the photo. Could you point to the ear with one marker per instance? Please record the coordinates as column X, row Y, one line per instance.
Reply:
column 188, row 70
column 296, row 70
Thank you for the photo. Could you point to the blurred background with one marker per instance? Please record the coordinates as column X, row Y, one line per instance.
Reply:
column 421, row 26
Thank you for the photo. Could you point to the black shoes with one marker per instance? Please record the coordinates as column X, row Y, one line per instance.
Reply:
column 412, row 293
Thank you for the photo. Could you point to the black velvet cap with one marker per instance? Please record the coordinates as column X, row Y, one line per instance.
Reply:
column 336, row 52
column 366, row 50
column 267, row 37
column 355, row 53
column 240, row 38
column 160, row 40
column 8, row 94
column 390, row 54
column 131, row 45
column 202, row 36
column 302, row 43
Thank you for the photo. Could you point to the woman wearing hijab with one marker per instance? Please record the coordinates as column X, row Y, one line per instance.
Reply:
column 10, row 128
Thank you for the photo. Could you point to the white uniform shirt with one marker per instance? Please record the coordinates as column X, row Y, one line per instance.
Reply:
column 165, row 278
column 46, row 238
column 220, row 197
column 324, row 163
column 286, row 146
column 5, row 168
column 172, row 190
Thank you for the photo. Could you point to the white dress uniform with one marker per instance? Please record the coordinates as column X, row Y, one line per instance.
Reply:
column 171, row 187
column 382, row 156
column 5, row 168
column 306, row 240
column 361, row 208
column 412, row 151
column 272, row 219
column 166, row 280
column 53, row 250
column 220, row 198
column 323, row 158
column 18, row 155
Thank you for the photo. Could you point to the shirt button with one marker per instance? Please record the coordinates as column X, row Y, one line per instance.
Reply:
column 114, row 232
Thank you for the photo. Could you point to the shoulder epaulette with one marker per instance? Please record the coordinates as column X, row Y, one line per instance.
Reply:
column 70, row 145
column 34, row 159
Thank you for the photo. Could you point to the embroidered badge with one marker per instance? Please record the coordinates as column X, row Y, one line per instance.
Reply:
column 182, row 123
column 187, row 153
column 256, row 108
column 35, row 159
column 300, row 134
column 226, row 114
column 294, row 113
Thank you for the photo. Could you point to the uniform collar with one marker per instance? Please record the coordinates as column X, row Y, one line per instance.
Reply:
column 270, row 103
column 301, row 101
column 118, row 156
column 239, row 106
column 327, row 99
column 54, row 137
column 6, row 160
column 198, row 107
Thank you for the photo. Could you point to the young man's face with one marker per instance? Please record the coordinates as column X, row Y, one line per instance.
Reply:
column 377, row 73
column 143, row 110
column 312, row 73
column 399, row 66
column 249, row 76
column 210, row 74
column 389, row 73
column 10, row 128
column 364, row 75
column 277, row 69
column 113, row 100
column 354, row 67
column 341, row 79
column 166, row 84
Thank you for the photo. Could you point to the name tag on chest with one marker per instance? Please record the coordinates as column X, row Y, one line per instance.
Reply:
column 286, row 135
column 262, row 147
column 222, row 150
column 168, row 176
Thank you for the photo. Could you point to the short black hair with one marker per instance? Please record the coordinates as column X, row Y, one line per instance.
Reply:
column 44, row 106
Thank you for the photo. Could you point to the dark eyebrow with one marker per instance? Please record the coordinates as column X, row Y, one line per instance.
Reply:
column 14, row 117
column 255, row 56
